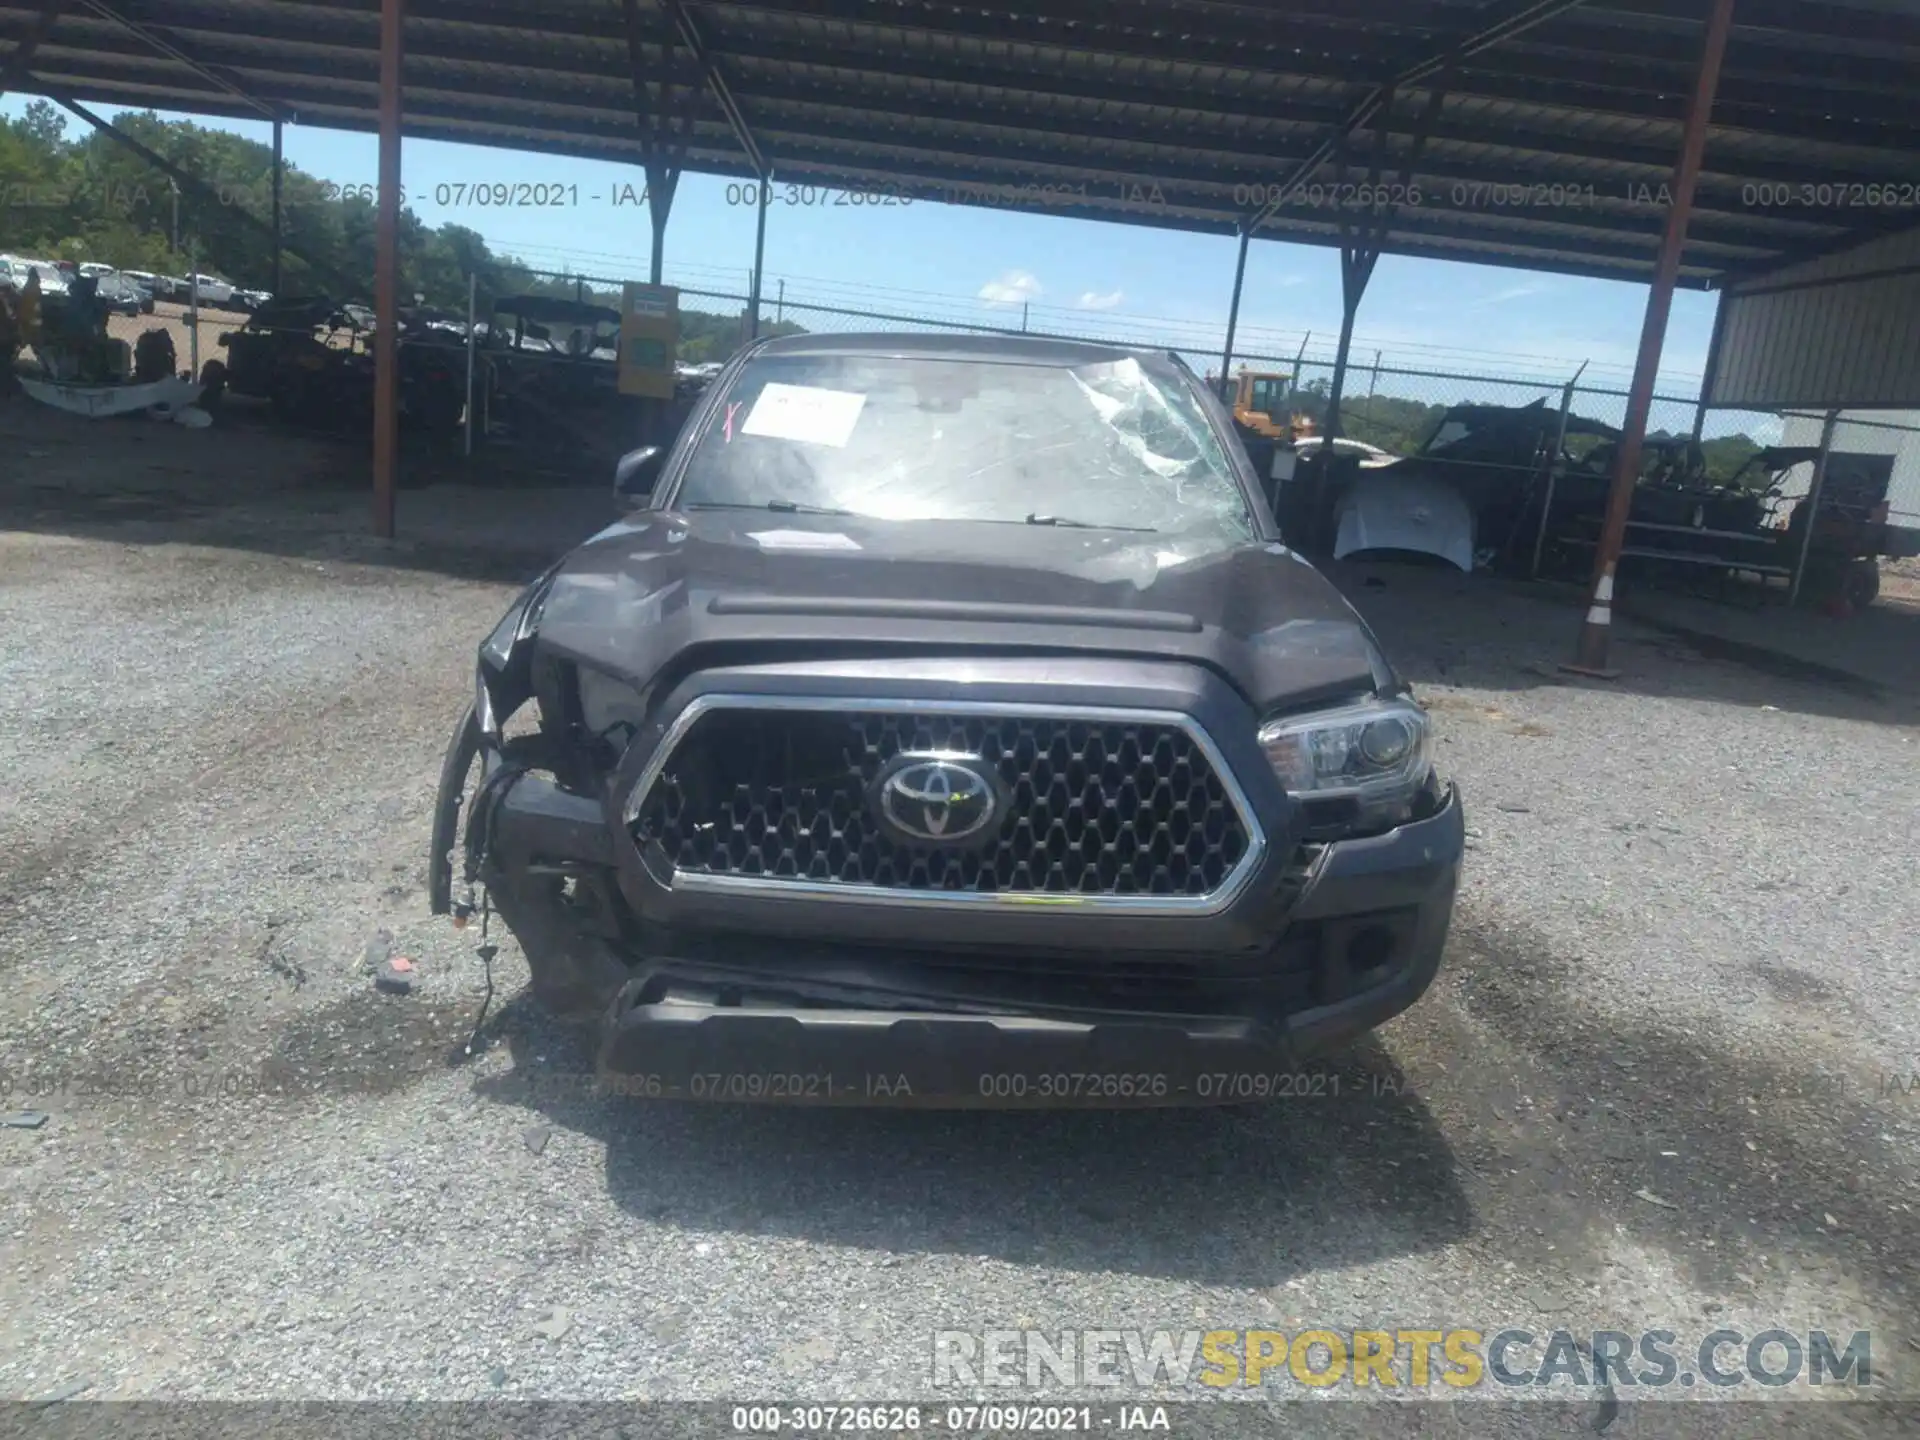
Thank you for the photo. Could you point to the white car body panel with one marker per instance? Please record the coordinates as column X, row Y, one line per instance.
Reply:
column 1386, row 509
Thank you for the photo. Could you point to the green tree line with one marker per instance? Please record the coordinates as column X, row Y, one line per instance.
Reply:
column 88, row 198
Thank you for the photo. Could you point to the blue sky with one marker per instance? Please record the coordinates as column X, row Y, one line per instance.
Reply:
column 927, row 258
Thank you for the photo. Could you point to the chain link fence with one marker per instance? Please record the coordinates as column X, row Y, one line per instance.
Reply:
column 180, row 325
column 1387, row 403
column 1396, row 407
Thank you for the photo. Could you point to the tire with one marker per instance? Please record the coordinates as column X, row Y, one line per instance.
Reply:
column 574, row 976
column 1860, row 586
column 462, row 751
column 213, row 382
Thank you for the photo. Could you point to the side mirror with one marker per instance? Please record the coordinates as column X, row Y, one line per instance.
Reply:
column 637, row 473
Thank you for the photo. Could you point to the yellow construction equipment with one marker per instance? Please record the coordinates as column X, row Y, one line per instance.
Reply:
column 1259, row 404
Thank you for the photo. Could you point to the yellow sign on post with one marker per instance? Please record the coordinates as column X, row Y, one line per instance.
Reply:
column 649, row 340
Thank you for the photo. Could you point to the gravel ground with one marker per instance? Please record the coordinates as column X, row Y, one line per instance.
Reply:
column 1650, row 1090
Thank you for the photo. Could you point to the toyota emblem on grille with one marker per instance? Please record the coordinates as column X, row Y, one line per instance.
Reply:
column 937, row 799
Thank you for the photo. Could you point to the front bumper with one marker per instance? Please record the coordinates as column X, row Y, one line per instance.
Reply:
column 1351, row 938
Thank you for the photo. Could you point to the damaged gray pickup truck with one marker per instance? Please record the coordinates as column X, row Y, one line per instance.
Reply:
column 946, row 724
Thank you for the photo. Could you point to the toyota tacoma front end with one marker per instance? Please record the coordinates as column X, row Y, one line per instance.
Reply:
column 947, row 724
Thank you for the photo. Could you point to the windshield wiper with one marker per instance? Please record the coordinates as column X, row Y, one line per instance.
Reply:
column 1061, row 522
column 779, row 507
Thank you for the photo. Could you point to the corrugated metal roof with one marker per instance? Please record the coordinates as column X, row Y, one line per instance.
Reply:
column 1548, row 150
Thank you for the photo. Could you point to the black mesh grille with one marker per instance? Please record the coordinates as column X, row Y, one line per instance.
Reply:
column 1092, row 807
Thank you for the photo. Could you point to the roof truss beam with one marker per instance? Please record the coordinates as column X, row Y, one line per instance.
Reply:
column 125, row 15
column 881, row 31
column 20, row 60
column 722, row 92
column 1217, row 184
column 1511, row 23
column 1203, row 96
column 1198, row 121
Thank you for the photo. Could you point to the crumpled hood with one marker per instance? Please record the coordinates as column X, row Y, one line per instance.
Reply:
column 650, row 588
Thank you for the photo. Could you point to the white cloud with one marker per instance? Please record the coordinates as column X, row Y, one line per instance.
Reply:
column 1516, row 292
column 1288, row 281
column 1093, row 300
column 1012, row 287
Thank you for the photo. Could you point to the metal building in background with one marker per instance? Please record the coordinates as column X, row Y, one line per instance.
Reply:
column 1841, row 332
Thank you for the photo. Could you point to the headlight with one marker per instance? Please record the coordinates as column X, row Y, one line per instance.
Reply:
column 1361, row 765
column 520, row 622
column 498, row 647
column 502, row 679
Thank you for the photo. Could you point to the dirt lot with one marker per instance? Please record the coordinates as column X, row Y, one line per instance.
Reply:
column 1651, row 1089
column 1900, row 582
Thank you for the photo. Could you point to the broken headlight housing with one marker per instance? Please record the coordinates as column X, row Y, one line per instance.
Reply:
column 1359, row 768
column 503, row 678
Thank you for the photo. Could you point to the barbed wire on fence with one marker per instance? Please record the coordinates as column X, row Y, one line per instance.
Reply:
column 1184, row 335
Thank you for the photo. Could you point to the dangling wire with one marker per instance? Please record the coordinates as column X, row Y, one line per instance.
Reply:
column 485, row 950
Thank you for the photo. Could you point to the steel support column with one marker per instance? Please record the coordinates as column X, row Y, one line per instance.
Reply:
column 1359, row 255
column 1596, row 633
column 1713, row 364
column 1553, row 468
column 1233, row 318
column 1814, row 489
column 473, row 333
column 1356, row 269
column 279, row 168
column 665, row 126
column 662, row 181
column 759, row 260
column 386, row 272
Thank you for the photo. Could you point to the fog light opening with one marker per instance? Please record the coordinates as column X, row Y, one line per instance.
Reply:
column 1370, row 949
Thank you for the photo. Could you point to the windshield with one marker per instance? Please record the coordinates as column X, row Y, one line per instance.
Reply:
column 1111, row 445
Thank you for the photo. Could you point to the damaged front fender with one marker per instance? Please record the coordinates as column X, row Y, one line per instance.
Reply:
column 503, row 679
column 464, row 748
column 503, row 682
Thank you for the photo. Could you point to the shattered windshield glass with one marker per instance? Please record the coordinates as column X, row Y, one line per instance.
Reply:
column 1110, row 446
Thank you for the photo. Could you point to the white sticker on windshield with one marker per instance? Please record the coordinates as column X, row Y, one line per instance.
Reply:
column 802, row 540
column 805, row 413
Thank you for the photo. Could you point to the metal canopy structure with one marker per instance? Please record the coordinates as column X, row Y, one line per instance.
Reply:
column 1656, row 140
column 1538, row 135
